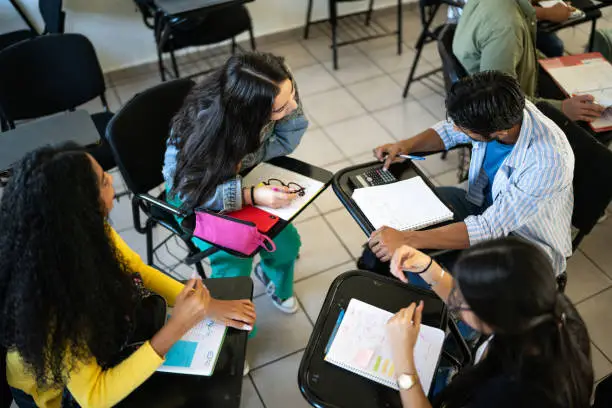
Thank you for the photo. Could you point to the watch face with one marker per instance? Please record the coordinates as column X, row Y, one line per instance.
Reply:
column 405, row 381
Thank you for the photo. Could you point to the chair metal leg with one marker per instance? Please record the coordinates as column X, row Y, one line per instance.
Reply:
column 160, row 63
column 417, row 57
column 174, row 64
column 444, row 154
column 400, row 27
column 369, row 13
column 562, row 282
column 233, row 45
column 333, row 19
column 252, row 38
column 200, row 270
column 592, row 35
column 149, row 238
column 308, row 17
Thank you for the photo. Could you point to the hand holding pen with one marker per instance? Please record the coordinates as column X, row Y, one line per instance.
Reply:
column 393, row 153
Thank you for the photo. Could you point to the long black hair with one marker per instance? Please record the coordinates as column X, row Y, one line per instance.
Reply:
column 540, row 340
column 486, row 102
column 221, row 122
column 63, row 286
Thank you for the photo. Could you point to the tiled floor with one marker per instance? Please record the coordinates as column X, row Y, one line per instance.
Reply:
column 351, row 111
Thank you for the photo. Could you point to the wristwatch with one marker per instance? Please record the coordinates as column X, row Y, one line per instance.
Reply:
column 407, row 381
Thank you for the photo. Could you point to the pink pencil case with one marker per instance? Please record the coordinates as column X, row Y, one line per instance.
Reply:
column 227, row 232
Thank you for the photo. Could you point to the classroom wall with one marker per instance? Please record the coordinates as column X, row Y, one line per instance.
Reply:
column 116, row 29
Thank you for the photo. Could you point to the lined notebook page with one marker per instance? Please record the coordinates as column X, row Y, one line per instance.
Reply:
column 360, row 346
column 404, row 205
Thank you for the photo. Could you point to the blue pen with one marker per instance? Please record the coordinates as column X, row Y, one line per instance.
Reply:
column 410, row 157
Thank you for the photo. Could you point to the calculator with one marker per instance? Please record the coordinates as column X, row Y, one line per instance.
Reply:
column 372, row 177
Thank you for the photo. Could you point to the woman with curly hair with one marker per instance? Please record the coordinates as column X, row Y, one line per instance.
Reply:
column 69, row 286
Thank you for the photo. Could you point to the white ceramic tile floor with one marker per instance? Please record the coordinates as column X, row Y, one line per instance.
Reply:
column 373, row 72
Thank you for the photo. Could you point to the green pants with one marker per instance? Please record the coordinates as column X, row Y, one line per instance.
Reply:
column 278, row 265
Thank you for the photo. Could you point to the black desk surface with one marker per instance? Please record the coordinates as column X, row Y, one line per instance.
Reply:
column 344, row 189
column 324, row 384
column 74, row 126
column 182, row 7
column 224, row 387
column 591, row 12
column 288, row 163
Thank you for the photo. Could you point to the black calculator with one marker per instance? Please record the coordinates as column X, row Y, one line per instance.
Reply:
column 372, row 177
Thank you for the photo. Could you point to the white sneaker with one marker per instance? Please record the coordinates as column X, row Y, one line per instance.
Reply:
column 289, row 306
column 247, row 369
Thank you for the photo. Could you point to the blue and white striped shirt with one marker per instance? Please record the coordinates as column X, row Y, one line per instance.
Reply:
column 532, row 190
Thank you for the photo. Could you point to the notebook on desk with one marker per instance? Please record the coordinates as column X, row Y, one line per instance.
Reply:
column 406, row 205
column 264, row 172
column 359, row 346
column 585, row 74
column 197, row 351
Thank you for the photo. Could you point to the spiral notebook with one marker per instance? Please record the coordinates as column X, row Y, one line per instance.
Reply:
column 405, row 205
column 359, row 346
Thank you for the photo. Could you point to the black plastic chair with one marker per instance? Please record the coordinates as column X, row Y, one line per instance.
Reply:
column 428, row 10
column 173, row 33
column 453, row 71
column 137, row 135
column 334, row 19
column 51, row 74
column 592, row 176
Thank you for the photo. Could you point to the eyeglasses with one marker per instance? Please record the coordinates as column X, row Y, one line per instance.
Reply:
column 456, row 303
column 294, row 187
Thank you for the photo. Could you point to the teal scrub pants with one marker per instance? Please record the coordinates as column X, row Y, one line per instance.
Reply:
column 278, row 265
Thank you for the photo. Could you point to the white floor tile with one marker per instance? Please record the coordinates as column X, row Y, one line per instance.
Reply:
column 317, row 149
column 312, row 291
column 277, row 383
column 328, row 201
column 406, row 120
column 95, row 105
column 320, row 248
column 434, row 103
column 387, row 58
column 249, row 398
column 314, row 79
column 278, row 334
column 377, row 93
column 601, row 365
column 358, row 136
column 596, row 246
column 138, row 84
column 333, row 106
column 347, row 229
column 596, row 314
column 583, row 278
column 296, row 56
column 446, row 179
column 434, row 165
column 354, row 68
column 121, row 215
column 320, row 48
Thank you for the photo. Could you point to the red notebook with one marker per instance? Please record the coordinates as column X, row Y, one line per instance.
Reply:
column 264, row 221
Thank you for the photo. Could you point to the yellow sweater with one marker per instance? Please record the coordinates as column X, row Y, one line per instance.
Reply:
column 90, row 385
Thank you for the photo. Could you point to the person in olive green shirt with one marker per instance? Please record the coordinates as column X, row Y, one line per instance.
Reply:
column 500, row 35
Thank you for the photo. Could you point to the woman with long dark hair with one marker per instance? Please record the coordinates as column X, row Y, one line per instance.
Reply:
column 245, row 112
column 537, row 353
column 70, row 288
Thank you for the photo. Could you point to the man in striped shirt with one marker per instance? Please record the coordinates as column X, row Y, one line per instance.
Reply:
column 520, row 178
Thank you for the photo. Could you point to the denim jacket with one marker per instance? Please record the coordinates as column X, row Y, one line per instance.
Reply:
column 279, row 138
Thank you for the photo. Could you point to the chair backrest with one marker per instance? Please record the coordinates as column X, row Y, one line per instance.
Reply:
column 451, row 67
column 592, row 172
column 48, row 74
column 147, row 9
column 52, row 14
column 138, row 133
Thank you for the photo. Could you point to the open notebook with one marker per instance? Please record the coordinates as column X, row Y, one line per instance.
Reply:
column 265, row 171
column 197, row 351
column 360, row 346
column 405, row 205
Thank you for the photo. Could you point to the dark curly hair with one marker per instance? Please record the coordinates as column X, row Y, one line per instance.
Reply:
column 63, row 286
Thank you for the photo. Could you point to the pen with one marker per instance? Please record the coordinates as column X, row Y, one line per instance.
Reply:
column 408, row 156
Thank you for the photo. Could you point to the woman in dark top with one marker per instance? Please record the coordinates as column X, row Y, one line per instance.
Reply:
column 537, row 353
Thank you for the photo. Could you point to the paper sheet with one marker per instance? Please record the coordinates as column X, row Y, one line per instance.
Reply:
column 405, row 205
column 197, row 351
column 594, row 78
column 361, row 346
column 264, row 172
